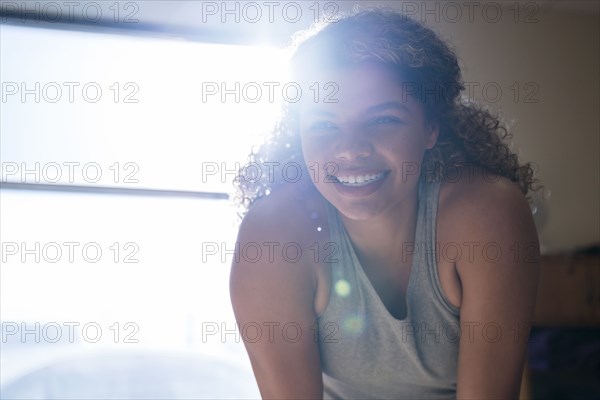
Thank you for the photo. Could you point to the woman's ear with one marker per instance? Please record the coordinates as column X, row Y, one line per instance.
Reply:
column 433, row 131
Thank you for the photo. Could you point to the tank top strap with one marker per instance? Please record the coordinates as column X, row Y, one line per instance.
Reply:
column 429, row 250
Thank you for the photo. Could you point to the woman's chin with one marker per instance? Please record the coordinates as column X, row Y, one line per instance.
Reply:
column 359, row 212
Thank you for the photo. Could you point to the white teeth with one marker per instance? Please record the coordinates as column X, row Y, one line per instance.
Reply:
column 359, row 180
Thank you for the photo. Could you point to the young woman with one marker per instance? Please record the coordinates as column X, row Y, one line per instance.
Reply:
column 388, row 250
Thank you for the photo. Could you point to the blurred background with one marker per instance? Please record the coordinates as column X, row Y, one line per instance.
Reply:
column 122, row 126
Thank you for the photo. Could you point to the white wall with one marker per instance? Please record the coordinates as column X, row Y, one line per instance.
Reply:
column 559, row 54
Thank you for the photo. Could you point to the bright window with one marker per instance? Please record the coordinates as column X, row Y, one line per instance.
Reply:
column 112, row 273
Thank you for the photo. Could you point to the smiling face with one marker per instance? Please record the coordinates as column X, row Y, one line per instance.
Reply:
column 365, row 151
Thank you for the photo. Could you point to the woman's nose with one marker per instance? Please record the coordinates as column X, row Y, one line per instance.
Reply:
column 352, row 147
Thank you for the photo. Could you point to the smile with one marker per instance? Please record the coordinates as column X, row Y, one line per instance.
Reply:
column 359, row 180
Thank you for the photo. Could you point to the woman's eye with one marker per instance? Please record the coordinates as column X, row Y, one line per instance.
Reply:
column 321, row 126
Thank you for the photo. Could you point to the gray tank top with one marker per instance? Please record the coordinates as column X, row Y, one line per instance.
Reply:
column 366, row 353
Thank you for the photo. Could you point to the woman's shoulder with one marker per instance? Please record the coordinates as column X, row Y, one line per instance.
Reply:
column 288, row 213
column 473, row 198
column 271, row 260
column 283, row 227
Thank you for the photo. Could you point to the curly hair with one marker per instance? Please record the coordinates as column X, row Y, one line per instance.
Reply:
column 469, row 134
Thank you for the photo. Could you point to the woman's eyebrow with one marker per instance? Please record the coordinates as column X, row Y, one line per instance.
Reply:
column 393, row 105
column 390, row 105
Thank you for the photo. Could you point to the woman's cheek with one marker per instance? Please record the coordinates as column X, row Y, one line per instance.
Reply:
column 313, row 151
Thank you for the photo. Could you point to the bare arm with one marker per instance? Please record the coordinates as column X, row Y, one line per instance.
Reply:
column 499, row 289
column 275, row 297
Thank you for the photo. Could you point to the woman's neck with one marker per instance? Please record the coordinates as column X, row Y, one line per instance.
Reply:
column 383, row 241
